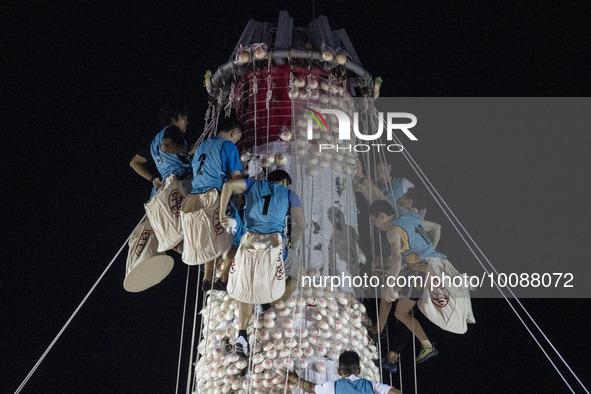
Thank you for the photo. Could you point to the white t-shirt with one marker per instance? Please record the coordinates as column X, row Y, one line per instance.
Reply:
column 328, row 387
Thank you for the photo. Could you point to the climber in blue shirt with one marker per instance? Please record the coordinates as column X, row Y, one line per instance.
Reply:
column 412, row 242
column 267, row 205
column 169, row 149
column 349, row 382
column 216, row 161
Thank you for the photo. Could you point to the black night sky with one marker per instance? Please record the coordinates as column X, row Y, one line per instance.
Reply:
column 81, row 87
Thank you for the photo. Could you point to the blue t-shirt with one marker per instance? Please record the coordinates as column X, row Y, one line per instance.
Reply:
column 416, row 245
column 267, row 204
column 359, row 386
column 213, row 163
column 352, row 385
column 168, row 163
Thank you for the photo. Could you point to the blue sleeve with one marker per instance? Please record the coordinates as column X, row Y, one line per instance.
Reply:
column 231, row 157
column 294, row 200
column 249, row 182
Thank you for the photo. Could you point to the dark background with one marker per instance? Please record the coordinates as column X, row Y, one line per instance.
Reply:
column 81, row 87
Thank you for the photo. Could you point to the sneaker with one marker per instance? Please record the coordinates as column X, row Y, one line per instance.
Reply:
column 219, row 285
column 425, row 354
column 242, row 348
column 391, row 367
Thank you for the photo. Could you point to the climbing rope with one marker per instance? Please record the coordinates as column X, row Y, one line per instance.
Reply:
column 178, row 372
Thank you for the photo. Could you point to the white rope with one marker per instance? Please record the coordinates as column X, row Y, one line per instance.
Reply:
column 400, row 369
column 388, row 347
column 300, row 327
column 381, row 158
column 443, row 205
column 255, row 90
column 199, row 334
column 374, row 261
column 178, row 372
column 348, row 182
column 293, row 164
column 252, row 349
column 379, row 333
column 203, row 304
column 383, row 162
column 267, row 101
column 190, row 374
column 373, row 252
column 299, row 169
column 230, row 103
column 547, row 340
column 414, row 349
column 207, row 327
column 210, row 119
column 332, row 209
column 386, row 327
column 24, row 382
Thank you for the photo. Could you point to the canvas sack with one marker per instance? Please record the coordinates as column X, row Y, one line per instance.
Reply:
column 205, row 237
column 449, row 307
column 145, row 266
column 257, row 274
column 164, row 212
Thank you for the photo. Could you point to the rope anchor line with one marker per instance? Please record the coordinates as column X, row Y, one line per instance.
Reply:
column 461, row 230
column 59, row 334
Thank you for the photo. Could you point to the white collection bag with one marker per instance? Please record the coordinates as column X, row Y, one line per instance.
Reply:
column 164, row 212
column 205, row 238
column 257, row 274
column 145, row 266
column 447, row 306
